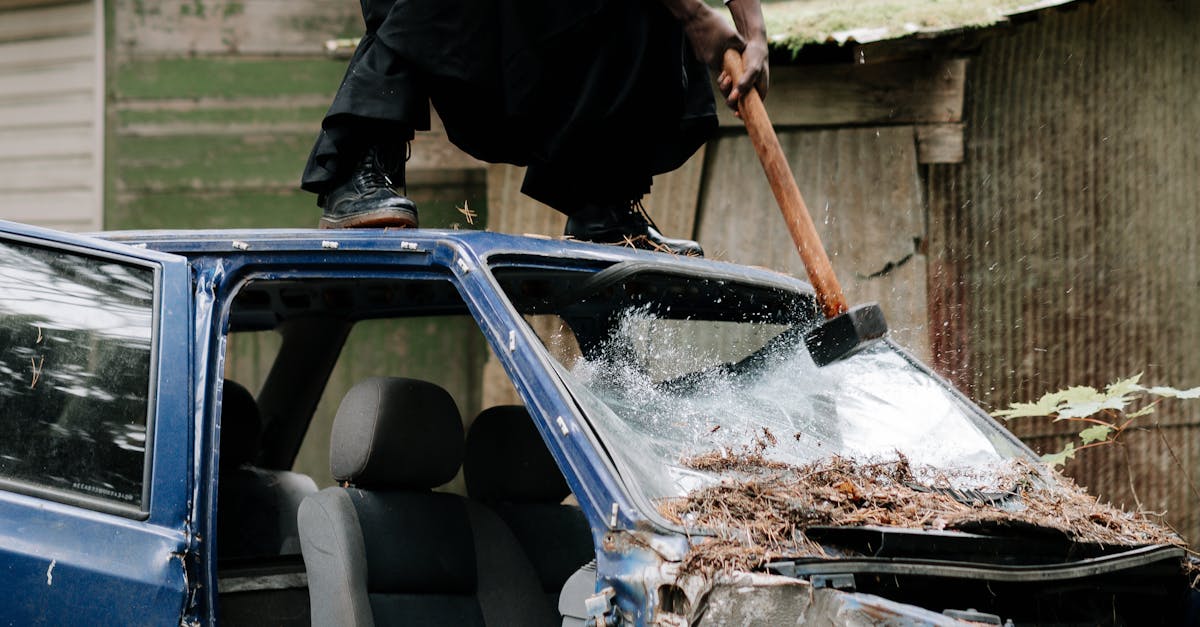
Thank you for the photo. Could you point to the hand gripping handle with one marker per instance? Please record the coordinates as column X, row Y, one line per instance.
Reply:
column 787, row 194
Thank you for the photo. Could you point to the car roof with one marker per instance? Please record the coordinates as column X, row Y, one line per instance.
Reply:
column 483, row 244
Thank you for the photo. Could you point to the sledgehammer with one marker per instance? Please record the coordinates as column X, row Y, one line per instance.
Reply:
column 845, row 331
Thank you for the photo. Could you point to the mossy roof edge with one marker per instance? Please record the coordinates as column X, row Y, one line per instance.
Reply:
column 793, row 24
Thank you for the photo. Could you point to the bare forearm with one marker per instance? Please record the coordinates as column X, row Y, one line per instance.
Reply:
column 710, row 36
column 748, row 18
column 685, row 10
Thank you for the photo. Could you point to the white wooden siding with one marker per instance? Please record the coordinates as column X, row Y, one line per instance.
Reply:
column 51, row 116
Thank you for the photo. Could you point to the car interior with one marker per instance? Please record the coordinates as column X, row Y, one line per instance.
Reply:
column 350, row 488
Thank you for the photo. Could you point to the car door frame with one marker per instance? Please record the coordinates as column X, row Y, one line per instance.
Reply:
column 64, row 554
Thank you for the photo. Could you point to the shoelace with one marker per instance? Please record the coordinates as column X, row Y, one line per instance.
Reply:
column 371, row 172
column 374, row 172
column 636, row 208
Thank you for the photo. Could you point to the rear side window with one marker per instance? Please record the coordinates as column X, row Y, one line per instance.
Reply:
column 75, row 364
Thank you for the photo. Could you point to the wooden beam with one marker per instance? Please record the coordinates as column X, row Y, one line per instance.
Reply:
column 908, row 92
column 259, row 27
column 940, row 143
column 957, row 42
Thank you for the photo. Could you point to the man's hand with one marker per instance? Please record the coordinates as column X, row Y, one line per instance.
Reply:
column 710, row 36
column 747, row 16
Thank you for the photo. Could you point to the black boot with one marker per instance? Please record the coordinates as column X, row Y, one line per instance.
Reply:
column 626, row 224
column 369, row 197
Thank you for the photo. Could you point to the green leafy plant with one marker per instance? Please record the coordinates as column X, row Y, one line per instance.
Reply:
column 1104, row 414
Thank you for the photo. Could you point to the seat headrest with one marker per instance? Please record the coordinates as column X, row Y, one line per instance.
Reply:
column 396, row 433
column 241, row 426
column 507, row 461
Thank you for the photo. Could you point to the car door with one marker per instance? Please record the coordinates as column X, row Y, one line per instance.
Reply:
column 94, row 431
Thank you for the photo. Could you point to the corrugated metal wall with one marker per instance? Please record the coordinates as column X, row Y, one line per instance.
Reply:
column 51, row 115
column 1073, row 226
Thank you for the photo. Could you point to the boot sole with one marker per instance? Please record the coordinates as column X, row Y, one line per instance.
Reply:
column 378, row 219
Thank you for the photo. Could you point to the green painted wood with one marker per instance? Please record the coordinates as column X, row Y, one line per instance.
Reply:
column 243, row 209
column 199, row 27
column 225, row 77
column 282, row 209
column 205, row 162
column 198, row 141
column 278, row 112
column 275, row 209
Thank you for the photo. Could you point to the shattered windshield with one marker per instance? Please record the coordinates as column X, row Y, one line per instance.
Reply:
column 672, row 367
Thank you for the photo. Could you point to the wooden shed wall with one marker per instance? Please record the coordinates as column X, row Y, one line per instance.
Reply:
column 1060, row 252
column 1063, row 251
column 863, row 190
column 856, row 136
column 51, row 120
column 215, row 105
column 213, row 108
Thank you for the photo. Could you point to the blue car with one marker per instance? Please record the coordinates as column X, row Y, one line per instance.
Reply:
column 140, row 483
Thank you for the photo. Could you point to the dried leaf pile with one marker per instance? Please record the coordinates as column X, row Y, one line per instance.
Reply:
column 761, row 510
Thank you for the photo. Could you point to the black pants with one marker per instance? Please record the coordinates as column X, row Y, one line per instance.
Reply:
column 594, row 96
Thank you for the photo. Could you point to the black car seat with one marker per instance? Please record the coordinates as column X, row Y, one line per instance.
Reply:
column 508, row 467
column 256, row 507
column 388, row 550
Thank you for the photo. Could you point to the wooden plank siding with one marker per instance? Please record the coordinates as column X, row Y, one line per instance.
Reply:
column 213, row 108
column 153, row 28
column 223, row 142
column 923, row 91
column 862, row 182
column 51, row 125
column 1064, row 248
column 864, row 192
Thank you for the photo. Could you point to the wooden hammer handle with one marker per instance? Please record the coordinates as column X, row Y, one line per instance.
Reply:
column 787, row 194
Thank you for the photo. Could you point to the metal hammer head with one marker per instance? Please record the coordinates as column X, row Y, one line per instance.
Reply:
column 846, row 334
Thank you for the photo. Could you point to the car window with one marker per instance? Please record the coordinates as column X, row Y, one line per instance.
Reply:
column 677, row 368
column 75, row 364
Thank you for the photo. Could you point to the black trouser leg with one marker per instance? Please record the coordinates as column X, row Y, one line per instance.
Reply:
column 595, row 101
column 381, row 101
column 641, row 105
